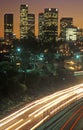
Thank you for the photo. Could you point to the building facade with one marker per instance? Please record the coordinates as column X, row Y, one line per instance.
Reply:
column 79, row 34
column 71, row 33
column 51, row 24
column 40, row 25
column 8, row 27
column 64, row 23
column 23, row 21
column 31, row 23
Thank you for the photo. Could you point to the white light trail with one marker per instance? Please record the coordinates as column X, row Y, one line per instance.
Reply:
column 80, row 90
column 23, row 124
column 10, row 127
column 44, row 103
column 39, row 123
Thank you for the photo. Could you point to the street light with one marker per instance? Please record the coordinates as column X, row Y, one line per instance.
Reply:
column 77, row 56
column 78, row 62
column 18, row 49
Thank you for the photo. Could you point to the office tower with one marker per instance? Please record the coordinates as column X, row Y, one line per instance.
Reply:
column 71, row 33
column 79, row 34
column 40, row 25
column 64, row 23
column 51, row 24
column 8, row 27
column 23, row 21
column 31, row 23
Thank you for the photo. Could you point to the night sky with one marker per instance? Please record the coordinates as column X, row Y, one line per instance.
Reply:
column 67, row 8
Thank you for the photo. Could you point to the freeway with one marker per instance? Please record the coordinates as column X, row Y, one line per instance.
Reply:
column 34, row 114
column 70, row 118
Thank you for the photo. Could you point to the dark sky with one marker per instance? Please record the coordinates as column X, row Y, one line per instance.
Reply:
column 67, row 8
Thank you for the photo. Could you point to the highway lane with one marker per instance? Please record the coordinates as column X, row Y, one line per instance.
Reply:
column 40, row 116
column 33, row 114
column 78, row 125
column 70, row 118
column 73, row 119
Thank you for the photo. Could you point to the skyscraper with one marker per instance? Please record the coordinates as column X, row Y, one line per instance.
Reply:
column 51, row 24
column 8, row 27
column 31, row 23
column 40, row 25
column 23, row 21
column 79, row 33
column 64, row 23
column 71, row 33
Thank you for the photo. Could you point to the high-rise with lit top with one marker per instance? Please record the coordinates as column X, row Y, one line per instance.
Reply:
column 51, row 24
column 23, row 21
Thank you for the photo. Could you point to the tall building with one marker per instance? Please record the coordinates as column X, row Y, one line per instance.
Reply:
column 8, row 27
column 23, row 21
column 40, row 25
column 71, row 33
column 79, row 34
column 51, row 24
column 31, row 23
column 64, row 23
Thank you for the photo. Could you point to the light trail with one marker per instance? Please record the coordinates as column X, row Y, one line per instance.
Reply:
column 80, row 90
column 40, row 122
column 66, row 123
column 42, row 100
column 54, row 102
column 49, row 106
column 76, row 121
column 23, row 124
column 17, row 112
column 10, row 127
column 54, row 111
column 38, row 107
column 45, row 99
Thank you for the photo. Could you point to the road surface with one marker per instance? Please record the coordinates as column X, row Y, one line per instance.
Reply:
column 34, row 114
column 70, row 118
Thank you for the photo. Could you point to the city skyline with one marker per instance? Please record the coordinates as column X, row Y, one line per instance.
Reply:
column 66, row 9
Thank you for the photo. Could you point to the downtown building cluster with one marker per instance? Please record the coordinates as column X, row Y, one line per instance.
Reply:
column 27, row 24
column 48, row 26
column 61, row 41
